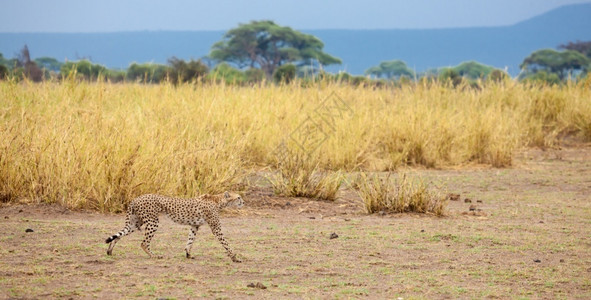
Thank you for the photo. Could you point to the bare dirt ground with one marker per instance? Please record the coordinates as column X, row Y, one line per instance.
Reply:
column 529, row 236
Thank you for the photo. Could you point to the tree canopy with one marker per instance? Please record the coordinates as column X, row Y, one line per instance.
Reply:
column 266, row 45
column 83, row 68
column 3, row 61
column 473, row 70
column 390, row 69
column 48, row 63
column 561, row 63
column 579, row 46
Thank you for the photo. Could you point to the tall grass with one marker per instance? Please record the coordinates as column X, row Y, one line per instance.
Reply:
column 97, row 145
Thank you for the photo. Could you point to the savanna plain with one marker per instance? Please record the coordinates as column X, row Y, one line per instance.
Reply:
column 322, row 168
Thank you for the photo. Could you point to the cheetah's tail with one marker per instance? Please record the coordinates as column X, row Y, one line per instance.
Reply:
column 119, row 234
column 111, row 238
column 126, row 229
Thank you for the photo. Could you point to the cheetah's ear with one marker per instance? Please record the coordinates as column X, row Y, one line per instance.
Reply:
column 227, row 195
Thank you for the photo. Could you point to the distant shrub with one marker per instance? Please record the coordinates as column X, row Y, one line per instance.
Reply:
column 543, row 77
column 86, row 70
column 253, row 75
column 147, row 73
column 49, row 64
column 473, row 70
column 451, row 76
column 285, row 73
column 3, row 72
column 343, row 77
column 182, row 71
column 227, row 74
column 393, row 69
column 83, row 69
column 362, row 80
column 115, row 75
column 498, row 75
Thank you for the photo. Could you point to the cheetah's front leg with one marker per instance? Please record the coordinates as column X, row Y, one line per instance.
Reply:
column 215, row 226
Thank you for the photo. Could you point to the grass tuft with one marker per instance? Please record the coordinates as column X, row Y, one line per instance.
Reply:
column 399, row 196
column 299, row 176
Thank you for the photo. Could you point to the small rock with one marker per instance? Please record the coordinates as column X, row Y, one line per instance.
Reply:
column 478, row 201
column 472, row 207
column 422, row 230
column 5, row 217
column 537, row 261
column 20, row 210
column 29, row 230
column 467, row 200
column 312, row 218
column 453, row 197
column 541, row 222
column 333, row 236
column 258, row 285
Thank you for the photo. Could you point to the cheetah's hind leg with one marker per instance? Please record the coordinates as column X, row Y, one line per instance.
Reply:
column 132, row 223
column 190, row 241
column 151, row 227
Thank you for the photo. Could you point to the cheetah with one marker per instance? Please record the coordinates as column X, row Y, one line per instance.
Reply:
column 194, row 212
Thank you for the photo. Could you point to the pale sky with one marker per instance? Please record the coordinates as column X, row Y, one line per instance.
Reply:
column 133, row 15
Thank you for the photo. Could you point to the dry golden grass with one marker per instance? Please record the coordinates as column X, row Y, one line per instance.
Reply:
column 399, row 196
column 96, row 145
column 298, row 176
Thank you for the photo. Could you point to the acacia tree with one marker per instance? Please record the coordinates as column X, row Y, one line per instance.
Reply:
column 579, row 46
column 266, row 45
column 48, row 63
column 560, row 63
column 390, row 69
column 473, row 70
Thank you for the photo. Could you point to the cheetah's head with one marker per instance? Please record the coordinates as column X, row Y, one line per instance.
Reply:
column 233, row 199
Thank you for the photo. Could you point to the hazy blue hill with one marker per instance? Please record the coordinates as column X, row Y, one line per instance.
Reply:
column 423, row 49
column 116, row 49
column 359, row 49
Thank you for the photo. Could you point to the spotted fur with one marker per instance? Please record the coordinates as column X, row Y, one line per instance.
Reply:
column 194, row 212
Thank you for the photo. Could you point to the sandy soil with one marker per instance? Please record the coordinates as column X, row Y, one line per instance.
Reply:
column 528, row 237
